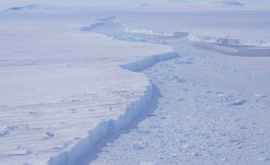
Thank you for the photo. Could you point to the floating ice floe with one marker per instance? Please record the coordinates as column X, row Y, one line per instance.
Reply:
column 231, row 46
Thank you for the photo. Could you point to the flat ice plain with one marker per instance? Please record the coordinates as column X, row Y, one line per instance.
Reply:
column 72, row 77
column 59, row 84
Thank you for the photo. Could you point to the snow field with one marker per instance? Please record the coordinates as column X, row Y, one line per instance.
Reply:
column 73, row 90
column 213, row 109
column 62, row 92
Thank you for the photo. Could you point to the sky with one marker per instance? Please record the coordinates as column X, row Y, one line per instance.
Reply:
column 249, row 4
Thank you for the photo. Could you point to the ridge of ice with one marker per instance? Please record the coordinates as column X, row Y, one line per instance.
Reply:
column 64, row 88
column 107, row 129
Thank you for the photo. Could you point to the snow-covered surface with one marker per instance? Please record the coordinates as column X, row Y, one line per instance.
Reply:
column 214, row 109
column 59, row 84
column 70, row 82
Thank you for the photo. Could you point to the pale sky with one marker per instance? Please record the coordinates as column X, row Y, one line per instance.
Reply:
column 135, row 3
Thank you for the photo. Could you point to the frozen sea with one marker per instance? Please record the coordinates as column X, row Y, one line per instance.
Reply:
column 82, row 85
